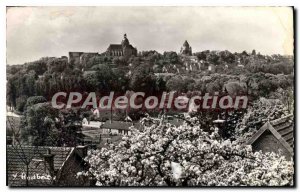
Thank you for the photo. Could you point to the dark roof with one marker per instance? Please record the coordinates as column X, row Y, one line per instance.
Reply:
column 115, row 47
column 282, row 129
column 116, row 125
column 118, row 47
column 131, row 46
column 285, row 127
column 18, row 156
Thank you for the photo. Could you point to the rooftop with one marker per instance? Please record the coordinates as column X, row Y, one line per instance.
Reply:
column 18, row 157
column 282, row 129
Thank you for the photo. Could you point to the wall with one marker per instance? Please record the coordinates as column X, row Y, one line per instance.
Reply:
column 268, row 143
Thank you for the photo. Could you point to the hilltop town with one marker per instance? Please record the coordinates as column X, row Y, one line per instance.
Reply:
column 62, row 138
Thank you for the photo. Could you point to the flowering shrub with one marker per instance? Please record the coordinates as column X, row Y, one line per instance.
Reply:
column 166, row 155
column 257, row 115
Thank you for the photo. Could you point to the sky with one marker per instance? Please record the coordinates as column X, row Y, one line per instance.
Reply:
column 35, row 32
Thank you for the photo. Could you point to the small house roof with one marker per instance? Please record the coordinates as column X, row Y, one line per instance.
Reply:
column 17, row 157
column 116, row 125
column 92, row 124
column 282, row 129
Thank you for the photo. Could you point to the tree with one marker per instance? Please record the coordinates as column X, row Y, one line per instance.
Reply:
column 39, row 66
column 143, row 79
column 213, row 58
column 202, row 55
column 21, row 103
column 165, row 155
column 35, row 100
column 160, row 85
column 56, row 64
column 171, row 57
column 40, row 124
column 47, row 126
column 257, row 115
column 11, row 93
column 102, row 80
column 120, row 61
column 176, row 83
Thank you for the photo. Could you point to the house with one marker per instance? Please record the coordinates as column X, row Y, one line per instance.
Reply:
column 99, row 132
column 86, row 125
column 104, row 114
column 45, row 166
column 116, row 127
column 274, row 136
column 76, row 58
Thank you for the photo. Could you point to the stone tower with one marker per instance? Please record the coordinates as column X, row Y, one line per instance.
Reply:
column 186, row 49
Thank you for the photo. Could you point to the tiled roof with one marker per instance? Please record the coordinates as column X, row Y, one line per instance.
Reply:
column 17, row 157
column 115, row 47
column 285, row 127
column 282, row 129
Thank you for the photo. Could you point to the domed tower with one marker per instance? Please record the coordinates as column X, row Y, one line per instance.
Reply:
column 186, row 49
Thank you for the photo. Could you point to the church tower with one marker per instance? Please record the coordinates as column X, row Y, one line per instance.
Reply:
column 124, row 49
column 186, row 49
column 125, row 41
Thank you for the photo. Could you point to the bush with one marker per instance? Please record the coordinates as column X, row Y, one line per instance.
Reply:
column 165, row 155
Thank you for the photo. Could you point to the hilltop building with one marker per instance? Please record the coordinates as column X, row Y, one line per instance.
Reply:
column 124, row 49
column 77, row 58
column 186, row 49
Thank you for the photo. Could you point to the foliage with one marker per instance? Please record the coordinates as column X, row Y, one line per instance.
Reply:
column 35, row 100
column 165, row 155
column 143, row 79
column 21, row 103
column 40, row 125
column 257, row 115
column 46, row 76
column 46, row 126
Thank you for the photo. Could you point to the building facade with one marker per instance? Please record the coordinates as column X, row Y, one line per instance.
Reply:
column 124, row 49
column 77, row 58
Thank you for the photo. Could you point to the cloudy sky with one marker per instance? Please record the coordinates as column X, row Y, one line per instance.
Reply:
column 35, row 32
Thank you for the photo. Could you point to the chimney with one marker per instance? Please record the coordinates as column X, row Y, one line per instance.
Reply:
column 82, row 150
column 49, row 161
